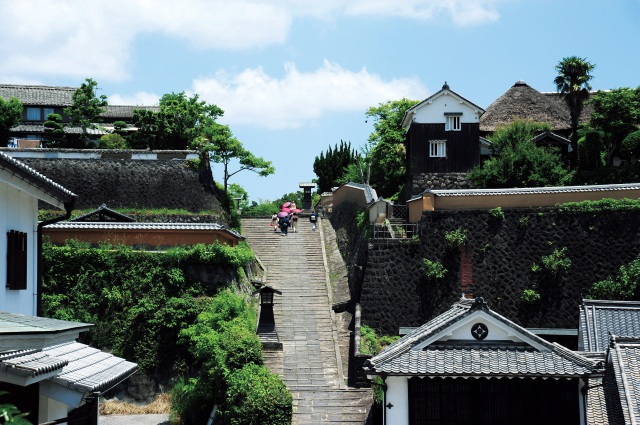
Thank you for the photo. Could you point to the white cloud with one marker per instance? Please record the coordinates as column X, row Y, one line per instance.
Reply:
column 138, row 99
column 77, row 38
column 297, row 99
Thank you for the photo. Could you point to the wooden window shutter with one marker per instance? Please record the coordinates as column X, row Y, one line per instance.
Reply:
column 16, row 260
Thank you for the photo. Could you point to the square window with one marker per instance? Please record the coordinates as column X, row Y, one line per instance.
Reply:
column 33, row 114
column 47, row 112
column 437, row 148
column 452, row 123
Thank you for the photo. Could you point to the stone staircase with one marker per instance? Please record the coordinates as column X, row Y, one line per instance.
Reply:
column 310, row 362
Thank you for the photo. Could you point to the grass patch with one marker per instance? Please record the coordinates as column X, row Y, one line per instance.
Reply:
column 161, row 405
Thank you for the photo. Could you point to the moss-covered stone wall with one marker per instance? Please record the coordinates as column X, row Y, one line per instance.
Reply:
column 394, row 291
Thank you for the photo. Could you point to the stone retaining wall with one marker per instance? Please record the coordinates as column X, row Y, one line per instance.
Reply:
column 424, row 181
column 393, row 290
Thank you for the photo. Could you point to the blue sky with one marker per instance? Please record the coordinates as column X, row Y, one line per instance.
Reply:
column 295, row 77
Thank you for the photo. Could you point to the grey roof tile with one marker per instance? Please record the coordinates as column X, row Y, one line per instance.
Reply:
column 599, row 319
column 13, row 323
column 532, row 190
column 477, row 358
column 38, row 95
column 35, row 178
column 625, row 358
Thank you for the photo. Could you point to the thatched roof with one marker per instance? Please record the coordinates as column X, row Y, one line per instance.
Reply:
column 522, row 102
column 586, row 110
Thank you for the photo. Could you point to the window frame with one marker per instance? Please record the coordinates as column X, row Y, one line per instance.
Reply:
column 46, row 112
column 453, row 121
column 437, row 148
column 17, row 257
column 31, row 112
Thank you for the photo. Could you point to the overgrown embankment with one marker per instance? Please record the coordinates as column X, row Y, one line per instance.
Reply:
column 140, row 300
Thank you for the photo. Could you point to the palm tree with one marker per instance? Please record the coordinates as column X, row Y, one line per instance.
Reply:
column 572, row 82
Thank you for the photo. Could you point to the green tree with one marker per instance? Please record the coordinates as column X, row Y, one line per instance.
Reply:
column 386, row 146
column 331, row 167
column 572, row 81
column 10, row 116
column 179, row 121
column 54, row 134
column 616, row 113
column 113, row 141
column 630, row 148
column 518, row 162
column 86, row 107
column 220, row 146
column 238, row 193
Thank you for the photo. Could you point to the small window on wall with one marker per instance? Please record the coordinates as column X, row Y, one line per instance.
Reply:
column 16, row 260
column 452, row 123
column 33, row 114
column 47, row 112
column 437, row 148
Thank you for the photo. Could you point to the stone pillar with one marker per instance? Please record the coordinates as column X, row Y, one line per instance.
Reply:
column 306, row 197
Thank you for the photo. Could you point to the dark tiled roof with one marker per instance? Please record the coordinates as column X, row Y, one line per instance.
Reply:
column 486, row 359
column 101, row 212
column 107, row 225
column 38, row 95
column 36, row 179
column 39, row 128
column 124, row 111
column 532, row 190
column 603, row 400
column 625, row 358
column 599, row 319
column 478, row 358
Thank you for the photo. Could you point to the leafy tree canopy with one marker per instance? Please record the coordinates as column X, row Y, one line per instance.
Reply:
column 616, row 113
column 220, row 146
column 518, row 162
column 86, row 106
column 10, row 116
column 177, row 123
column 386, row 146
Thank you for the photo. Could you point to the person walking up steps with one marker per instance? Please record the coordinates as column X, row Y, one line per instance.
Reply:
column 284, row 226
column 274, row 221
column 294, row 223
column 313, row 218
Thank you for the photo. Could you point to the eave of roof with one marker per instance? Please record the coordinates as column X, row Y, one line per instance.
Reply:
column 530, row 190
column 38, row 181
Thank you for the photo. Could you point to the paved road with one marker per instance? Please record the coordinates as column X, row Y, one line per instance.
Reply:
column 310, row 362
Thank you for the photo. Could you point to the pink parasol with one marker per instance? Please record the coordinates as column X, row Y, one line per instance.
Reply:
column 296, row 210
column 287, row 210
column 282, row 214
column 286, row 205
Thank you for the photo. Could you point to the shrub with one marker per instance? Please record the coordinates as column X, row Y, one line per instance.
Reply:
column 368, row 341
column 113, row 141
column 530, row 296
column 555, row 263
column 630, row 147
column 455, row 238
column 257, row 396
column 496, row 213
column 624, row 286
column 433, row 269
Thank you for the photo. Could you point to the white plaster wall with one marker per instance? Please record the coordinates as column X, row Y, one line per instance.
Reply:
column 50, row 410
column 433, row 113
column 18, row 211
column 398, row 395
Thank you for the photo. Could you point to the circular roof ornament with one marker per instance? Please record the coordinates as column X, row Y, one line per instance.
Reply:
column 479, row 331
